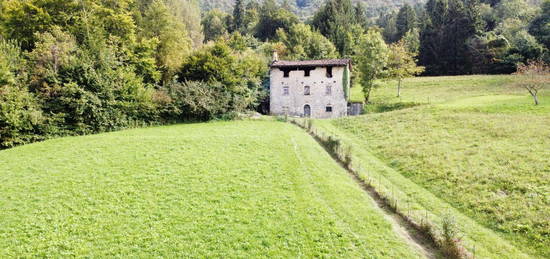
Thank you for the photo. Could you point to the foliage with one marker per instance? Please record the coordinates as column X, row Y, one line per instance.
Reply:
column 199, row 100
column 388, row 23
column 443, row 49
column 534, row 77
column 372, row 60
column 334, row 20
column 215, row 24
column 411, row 40
column 174, row 43
column 346, row 83
column 540, row 26
column 401, row 64
column 302, row 43
column 271, row 18
column 217, row 62
column 405, row 21
column 20, row 116
column 238, row 16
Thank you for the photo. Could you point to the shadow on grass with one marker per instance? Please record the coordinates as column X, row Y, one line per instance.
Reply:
column 379, row 107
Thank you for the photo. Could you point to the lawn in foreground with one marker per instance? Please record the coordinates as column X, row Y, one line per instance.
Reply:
column 482, row 147
column 226, row 189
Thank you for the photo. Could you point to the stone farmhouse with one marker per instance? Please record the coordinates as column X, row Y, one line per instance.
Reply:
column 310, row 88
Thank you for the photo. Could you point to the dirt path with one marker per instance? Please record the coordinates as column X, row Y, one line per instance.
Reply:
column 403, row 228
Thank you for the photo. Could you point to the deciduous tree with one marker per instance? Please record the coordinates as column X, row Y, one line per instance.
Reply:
column 533, row 76
column 372, row 60
column 401, row 64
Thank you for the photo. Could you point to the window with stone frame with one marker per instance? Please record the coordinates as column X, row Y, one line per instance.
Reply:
column 307, row 90
column 286, row 90
column 328, row 90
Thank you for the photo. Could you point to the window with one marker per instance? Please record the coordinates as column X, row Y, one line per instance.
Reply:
column 328, row 90
column 329, row 72
column 286, row 90
column 306, row 90
column 328, row 109
column 306, row 72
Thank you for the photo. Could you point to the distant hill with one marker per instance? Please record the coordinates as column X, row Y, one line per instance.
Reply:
column 306, row 8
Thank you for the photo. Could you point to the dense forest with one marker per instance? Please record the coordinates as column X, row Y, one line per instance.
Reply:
column 84, row 66
column 305, row 9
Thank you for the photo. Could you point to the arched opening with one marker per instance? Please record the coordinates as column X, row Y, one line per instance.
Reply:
column 307, row 110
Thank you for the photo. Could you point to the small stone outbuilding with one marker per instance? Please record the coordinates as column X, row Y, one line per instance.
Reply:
column 310, row 88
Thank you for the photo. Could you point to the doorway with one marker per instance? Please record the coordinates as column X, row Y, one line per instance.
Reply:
column 307, row 111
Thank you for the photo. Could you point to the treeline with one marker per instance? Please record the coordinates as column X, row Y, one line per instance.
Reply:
column 470, row 37
column 78, row 67
column 85, row 66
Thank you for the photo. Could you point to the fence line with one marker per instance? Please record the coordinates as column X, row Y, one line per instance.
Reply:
column 446, row 238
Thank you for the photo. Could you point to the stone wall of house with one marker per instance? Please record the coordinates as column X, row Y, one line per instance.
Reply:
column 293, row 103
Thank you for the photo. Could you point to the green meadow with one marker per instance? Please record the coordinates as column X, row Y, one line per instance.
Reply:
column 243, row 189
column 477, row 143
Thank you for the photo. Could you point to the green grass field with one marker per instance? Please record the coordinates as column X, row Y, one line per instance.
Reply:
column 242, row 189
column 476, row 142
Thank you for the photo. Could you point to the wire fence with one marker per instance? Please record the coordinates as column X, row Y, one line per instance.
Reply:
column 446, row 235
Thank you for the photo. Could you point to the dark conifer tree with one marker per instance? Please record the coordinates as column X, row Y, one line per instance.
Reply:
column 406, row 21
column 443, row 48
column 238, row 16
column 334, row 21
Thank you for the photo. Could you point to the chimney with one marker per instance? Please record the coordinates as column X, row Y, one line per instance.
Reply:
column 275, row 56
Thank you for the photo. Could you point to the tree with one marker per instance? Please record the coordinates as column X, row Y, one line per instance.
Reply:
column 214, row 24
column 405, row 21
column 449, row 25
column 301, row 42
column 174, row 42
column 412, row 41
column 238, row 16
column 237, row 70
column 372, row 59
column 361, row 17
column 188, row 12
column 540, row 26
column 388, row 24
column 333, row 20
column 402, row 64
column 533, row 76
column 272, row 18
column 22, row 19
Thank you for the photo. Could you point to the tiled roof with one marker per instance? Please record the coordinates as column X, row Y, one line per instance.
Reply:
column 312, row 63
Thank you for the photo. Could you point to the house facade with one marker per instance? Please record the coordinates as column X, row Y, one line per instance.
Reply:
column 310, row 88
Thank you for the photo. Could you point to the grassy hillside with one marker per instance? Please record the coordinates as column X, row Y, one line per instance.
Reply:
column 476, row 142
column 228, row 189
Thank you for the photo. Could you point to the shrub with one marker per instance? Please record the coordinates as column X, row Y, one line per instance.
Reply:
column 20, row 117
column 199, row 100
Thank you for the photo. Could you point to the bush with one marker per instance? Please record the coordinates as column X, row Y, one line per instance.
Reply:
column 20, row 117
column 197, row 100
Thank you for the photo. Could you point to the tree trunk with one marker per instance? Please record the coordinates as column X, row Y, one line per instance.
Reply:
column 536, row 99
column 367, row 95
column 399, row 88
